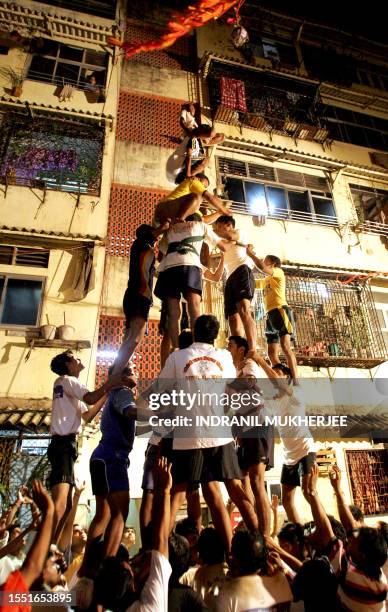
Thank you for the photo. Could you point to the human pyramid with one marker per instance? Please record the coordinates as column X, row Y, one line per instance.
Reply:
column 327, row 564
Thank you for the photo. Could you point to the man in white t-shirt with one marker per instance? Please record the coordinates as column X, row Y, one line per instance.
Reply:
column 180, row 272
column 298, row 442
column 69, row 409
column 240, row 283
column 202, row 452
column 253, row 587
column 256, row 444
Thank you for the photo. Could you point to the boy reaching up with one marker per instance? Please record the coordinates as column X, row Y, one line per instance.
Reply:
column 279, row 326
column 138, row 295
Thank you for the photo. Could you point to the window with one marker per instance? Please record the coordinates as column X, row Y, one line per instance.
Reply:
column 368, row 479
column 23, row 256
column 356, row 128
column 61, row 155
column 34, row 445
column 381, row 303
column 64, row 64
column 370, row 204
column 253, row 191
column 20, row 300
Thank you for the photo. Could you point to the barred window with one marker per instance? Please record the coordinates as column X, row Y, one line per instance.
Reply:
column 368, row 479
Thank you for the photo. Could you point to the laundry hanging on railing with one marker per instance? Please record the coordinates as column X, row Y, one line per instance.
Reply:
column 233, row 94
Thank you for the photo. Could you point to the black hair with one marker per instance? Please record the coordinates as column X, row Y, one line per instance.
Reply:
column 357, row 513
column 201, row 176
column 249, row 550
column 204, row 129
column 292, row 533
column 59, row 363
column 275, row 261
column 194, row 217
column 338, row 528
column 382, row 527
column 114, row 588
column 226, row 219
column 211, row 548
column 185, row 338
column 145, row 232
column 206, row 329
column 125, row 372
column 186, row 527
column 285, row 369
column 241, row 342
column 178, row 555
column 373, row 546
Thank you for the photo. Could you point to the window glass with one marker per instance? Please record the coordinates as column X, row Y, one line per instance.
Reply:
column 234, row 190
column 71, row 53
column 256, row 202
column 299, row 201
column 277, row 202
column 21, row 301
column 324, row 207
column 41, row 67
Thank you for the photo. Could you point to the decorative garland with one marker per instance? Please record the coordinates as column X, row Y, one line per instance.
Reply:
column 194, row 17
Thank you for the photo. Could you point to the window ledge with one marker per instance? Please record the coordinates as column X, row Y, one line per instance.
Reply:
column 58, row 344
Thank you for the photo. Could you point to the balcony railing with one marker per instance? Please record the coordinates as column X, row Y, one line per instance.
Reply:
column 283, row 215
column 25, row 20
column 371, row 227
column 81, row 188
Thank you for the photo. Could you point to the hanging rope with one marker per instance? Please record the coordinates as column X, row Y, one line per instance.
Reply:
column 181, row 24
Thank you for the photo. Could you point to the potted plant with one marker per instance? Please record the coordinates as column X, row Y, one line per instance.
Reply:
column 16, row 79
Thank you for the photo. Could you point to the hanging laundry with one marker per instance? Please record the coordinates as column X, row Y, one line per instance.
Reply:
column 233, row 94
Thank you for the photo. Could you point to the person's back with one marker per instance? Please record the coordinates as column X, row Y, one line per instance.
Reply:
column 118, row 431
column 254, row 592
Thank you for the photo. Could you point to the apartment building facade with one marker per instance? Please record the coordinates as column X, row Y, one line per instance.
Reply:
column 303, row 165
column 58, row 102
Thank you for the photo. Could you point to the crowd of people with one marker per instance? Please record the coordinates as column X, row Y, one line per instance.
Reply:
column 324, row 564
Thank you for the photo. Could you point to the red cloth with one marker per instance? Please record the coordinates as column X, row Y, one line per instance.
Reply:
column 15, row 584
column 233, row 94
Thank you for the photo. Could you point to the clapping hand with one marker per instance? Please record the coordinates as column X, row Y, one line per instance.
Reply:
column 162, row 475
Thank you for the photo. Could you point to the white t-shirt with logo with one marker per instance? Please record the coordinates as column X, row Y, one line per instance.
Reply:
column 190, row 257
column 256, row 407
column 237, row 256
column 200, row 368
column 68, row 407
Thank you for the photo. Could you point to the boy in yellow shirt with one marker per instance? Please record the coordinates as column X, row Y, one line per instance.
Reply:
column 279, row 325
column 186, row 200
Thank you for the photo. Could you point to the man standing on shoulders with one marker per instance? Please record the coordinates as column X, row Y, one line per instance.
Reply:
column 279, row 324
column 240, row 283
column 68, row 410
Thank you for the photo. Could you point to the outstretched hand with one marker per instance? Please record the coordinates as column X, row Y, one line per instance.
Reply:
column 313, row 479
column 335, row 477
column 250, row 250
column 162, row 475
column 23, row 496
column 42, row 498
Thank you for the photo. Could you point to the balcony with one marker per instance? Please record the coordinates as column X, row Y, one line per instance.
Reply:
column 25, row 21
column 267, row 102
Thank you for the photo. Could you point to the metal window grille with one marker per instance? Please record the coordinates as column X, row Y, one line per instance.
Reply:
column 370, row 205
column 368, row 479
column 335, row 324
column 51, row 153
column 19, row 256
column 316, row 190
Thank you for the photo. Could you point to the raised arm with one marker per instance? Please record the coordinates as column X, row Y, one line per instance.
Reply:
column 322, row 523
column 67, row 531
column 161, row 505
column 216, row 202
column 33, row 565
column 92, row 397
column 345, row 515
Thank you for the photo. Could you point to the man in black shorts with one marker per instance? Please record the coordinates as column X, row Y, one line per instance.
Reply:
column 69, row 409
column 255, row 445
column 240, row 283
column 138, row 295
